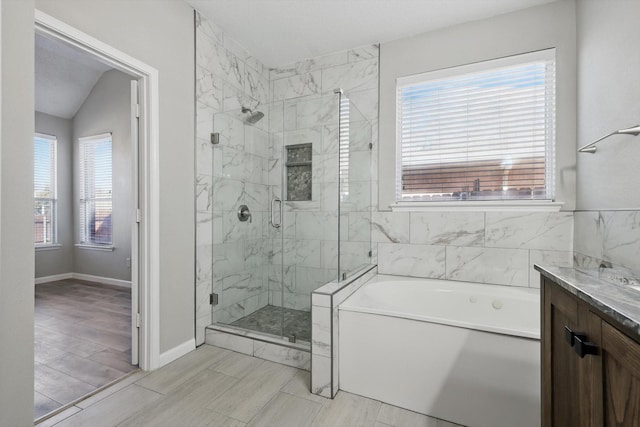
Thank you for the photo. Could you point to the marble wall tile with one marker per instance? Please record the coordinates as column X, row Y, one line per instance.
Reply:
column 321, row 331
column 536, row 230
column 588, row 229
column 390, row 227
column 547, row 258
column 411, row 260
column 621, row 238
column 321, row 300
column 360, row 165
column 256, row 85
column 447, row 228
column 203, row 262
column 488, row 265
column 305, row 253
column 276, row 117
column 231, row 130
column 228, row 194
column 226, row 258
column 204, row 192
column 320, row 62
column 221, row 62
column 240, row 165
column 256, row 196
column 296, row 86
column 359, row 226
column 205, row 156
column 305, row 113
column 366, row 101
column 240, row 286
column 256, row 141
column 363, row 53
column 330, row 138
column 312, row 135
column 204, row 228
column 207, row 28
column 283, row 355
column 351, row 77
column 316, row 225
column 209, row 89
column 230, row 342
column 321, row 375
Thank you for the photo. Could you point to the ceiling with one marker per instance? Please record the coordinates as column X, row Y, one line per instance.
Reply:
column 279, row 32
column 64, row 77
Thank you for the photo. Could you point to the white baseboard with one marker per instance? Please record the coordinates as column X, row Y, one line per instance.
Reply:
column 177, row 352
column 103, row 280
column 55, row 277
column 87, row 277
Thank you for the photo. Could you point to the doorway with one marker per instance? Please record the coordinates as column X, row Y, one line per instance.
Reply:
column 95, row 228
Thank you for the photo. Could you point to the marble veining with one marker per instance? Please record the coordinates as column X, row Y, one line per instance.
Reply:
column 619, row 300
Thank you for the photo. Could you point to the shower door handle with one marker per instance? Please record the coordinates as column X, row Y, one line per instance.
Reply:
column 273, row 217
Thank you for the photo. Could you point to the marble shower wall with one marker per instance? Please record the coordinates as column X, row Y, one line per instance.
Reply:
column 612, row 237
column 232, row 257
column 486, row 247
column 305, row 110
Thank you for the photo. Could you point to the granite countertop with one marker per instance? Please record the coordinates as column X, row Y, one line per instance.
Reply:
column 610, row 291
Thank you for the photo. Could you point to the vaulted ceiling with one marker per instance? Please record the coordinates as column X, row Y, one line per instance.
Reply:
column 64, row 77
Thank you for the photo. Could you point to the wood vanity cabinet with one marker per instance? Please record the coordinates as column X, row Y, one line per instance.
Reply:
column 590, row 365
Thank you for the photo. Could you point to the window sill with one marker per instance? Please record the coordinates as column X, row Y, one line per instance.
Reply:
column 479, row 206
column 47, row 247
column 103, row 248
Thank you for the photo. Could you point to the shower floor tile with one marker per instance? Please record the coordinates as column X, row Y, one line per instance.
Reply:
column 267, row 320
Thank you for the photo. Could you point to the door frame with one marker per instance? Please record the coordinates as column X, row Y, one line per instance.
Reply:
column 147, row 259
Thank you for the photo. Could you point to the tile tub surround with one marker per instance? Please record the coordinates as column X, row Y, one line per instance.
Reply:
column 610, row 237
column 324, row 331
column 487, row 247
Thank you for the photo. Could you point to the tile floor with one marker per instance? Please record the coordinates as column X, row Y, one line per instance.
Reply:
column 82, row 340
column 215, row 387
column 268, row 319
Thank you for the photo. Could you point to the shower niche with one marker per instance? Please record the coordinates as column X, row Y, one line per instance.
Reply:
column 304, row 176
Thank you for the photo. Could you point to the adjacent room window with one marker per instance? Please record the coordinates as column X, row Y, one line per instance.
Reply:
column 484, row 131
column 96, row 171
column 45, row 219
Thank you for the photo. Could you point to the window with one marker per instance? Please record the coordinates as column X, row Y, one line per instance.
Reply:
column 484, row 131
column 96, row 190
column 45, row 219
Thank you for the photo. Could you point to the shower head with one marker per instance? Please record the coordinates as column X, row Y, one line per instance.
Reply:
column 254, row 116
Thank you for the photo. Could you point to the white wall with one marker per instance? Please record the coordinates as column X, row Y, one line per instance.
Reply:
column 107, row 109
column 159, row 33
column 542, row 27
column 16, row 212
column 59, row 260
column 608, row 196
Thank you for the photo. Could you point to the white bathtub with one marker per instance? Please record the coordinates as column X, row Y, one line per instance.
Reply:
column 463, row 352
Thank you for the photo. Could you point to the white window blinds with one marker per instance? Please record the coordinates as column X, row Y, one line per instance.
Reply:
column 343, row 160
column 96, row 190
column 44, row 189
column 484, row 131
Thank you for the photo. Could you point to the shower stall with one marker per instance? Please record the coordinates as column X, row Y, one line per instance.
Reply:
column 291, row 203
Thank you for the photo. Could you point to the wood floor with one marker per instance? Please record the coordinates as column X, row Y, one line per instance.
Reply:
column 215, row 387
column 82, row 340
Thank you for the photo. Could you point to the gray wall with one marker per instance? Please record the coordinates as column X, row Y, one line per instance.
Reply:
column 16, row 212
column 551, row 25
column 607, row 224
column 59, row 260
column 107, row 109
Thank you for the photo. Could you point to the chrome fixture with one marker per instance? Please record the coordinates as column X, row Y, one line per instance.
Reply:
column 591, row 148
column 244, row 213
column 272, row 220
column 254, row 116
column 215, row 138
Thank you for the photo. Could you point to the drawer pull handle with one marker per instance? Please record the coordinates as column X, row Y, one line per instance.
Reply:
column 570, row 336
column 582, row 347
